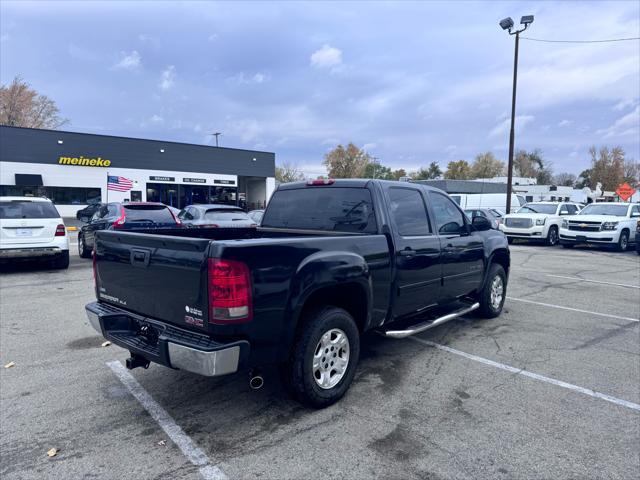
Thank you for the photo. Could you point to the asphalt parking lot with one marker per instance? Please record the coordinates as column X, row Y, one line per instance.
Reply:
column 550, row 389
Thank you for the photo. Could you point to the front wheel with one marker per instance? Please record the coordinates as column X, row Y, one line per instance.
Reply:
column 623, row 242
column 494, row 293
column 552, row 236
column 324, row 357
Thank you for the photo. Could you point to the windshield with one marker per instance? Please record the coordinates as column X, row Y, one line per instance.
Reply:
column 603, row 209
column 12, row 209
column 149, row 213
column 339, row 209
column 539, row 208
column 227, row 215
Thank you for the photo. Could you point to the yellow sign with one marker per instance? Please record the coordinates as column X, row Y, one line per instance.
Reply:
column 85, row 162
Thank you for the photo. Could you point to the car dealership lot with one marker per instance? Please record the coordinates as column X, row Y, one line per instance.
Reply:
column 452, row 402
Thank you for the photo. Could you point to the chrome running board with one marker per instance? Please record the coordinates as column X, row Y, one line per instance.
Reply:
column 421, row 327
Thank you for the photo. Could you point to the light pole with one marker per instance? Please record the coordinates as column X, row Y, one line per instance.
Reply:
column 375, row 166
column 216, row 134
column 507, row 24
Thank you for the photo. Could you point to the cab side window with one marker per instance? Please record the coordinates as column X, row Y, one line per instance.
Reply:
column 635, row 211
column 572, row 209
column 408, row 212
column 449, row 220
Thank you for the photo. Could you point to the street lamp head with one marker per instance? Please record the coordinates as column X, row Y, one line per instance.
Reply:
column 506, row 23
column 526, row 20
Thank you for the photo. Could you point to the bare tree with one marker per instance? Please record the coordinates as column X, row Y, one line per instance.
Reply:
column 565, row 179
column 346, row 162
column 288, row 172
column 21, row 106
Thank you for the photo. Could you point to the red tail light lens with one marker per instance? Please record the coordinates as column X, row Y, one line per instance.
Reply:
column 60, row 231
column 229, row 292
column 120, row 220
column 321, row 181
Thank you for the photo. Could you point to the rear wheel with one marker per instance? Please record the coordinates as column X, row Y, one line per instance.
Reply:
column 494, row 293
column 324, row 357
column 552, row 236
column 82, row 247
column 62, row 261
column 623, row 242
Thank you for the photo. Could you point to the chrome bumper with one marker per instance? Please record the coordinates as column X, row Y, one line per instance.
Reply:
column 210, row 363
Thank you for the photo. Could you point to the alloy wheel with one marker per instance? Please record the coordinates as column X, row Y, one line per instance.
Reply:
column 330, row 358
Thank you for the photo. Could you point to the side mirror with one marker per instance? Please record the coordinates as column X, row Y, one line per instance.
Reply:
column 481, row 224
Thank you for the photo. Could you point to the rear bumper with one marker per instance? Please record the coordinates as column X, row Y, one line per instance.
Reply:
column 165, row 344
column 30, row 252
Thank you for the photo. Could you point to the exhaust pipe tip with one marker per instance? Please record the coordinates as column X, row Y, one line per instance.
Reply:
column 256, row 382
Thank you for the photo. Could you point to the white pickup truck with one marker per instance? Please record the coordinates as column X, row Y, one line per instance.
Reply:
column 606, row 223
column 539, row 221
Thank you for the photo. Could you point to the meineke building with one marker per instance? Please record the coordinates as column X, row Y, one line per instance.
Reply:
column 75, row 169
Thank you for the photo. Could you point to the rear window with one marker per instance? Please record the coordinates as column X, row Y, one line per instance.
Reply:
column 153, row 213
column 12, row 209
column 337, row 209
column 226, row 215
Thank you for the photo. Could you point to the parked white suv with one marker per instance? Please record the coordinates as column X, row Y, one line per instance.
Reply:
column 606, row 223
column 538, row 221
column 31, row 228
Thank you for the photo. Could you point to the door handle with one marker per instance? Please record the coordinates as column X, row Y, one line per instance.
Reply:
column 407, row 252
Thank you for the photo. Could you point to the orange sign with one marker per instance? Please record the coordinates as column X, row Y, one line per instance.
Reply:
column 625, row 191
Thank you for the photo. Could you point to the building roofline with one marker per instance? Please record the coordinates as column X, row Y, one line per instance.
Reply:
column 164, row 142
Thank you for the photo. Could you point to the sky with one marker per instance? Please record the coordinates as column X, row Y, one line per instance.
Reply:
column 410, row 82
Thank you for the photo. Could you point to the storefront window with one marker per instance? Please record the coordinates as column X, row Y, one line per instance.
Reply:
column 58, row 195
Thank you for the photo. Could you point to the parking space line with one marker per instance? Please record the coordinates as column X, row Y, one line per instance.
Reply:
column 607, row 315
column 535, row 376
column 595, row 281
column 190, row 450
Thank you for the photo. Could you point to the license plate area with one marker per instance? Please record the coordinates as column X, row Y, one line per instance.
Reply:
column 581, row 238
column 24, row 232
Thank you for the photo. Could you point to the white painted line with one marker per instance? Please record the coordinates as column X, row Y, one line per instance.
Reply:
column 535, row 376
column 617, row 317
column 595, row 281
column 190, row 450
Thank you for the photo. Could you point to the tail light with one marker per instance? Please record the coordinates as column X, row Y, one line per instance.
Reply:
column 60, row 231
column 229, row 292
column 321, row 181
column 120, row 220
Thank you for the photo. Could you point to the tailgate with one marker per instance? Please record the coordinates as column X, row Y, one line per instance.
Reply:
column 157, row 276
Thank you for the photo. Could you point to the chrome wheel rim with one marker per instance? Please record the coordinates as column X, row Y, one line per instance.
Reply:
column 81, row 246
column 330, row 358
column 553, row 237
column 623, row 242
column 497, row 292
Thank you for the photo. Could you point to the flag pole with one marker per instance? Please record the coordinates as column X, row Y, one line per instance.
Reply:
column 107, row 187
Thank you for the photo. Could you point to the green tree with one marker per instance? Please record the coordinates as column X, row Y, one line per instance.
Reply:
column 458, row 170
column 486, row 165
column 21, row 106
column 377, row 170
column 430, row 173
column 346, row 162
column 287, row 172
column 398, row 174
column 607, row 167
column 584, row 179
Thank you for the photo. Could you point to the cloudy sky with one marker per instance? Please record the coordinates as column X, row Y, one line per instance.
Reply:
column 412, row 82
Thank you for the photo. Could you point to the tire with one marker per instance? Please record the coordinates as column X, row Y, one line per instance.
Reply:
column 489, row 306
column 303, row 376
column 82, row 248
column 623, row 241
column 62, row 261
column 509, row 240
column 552, row 236
column 567, row 245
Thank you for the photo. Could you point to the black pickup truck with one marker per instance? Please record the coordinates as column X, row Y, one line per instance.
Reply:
column 331, row 260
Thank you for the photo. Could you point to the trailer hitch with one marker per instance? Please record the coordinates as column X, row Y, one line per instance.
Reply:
column 136, row 361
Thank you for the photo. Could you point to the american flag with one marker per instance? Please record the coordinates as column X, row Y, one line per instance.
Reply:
column 119, row 184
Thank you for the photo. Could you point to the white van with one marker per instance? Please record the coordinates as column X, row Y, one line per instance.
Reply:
column 497, row 201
